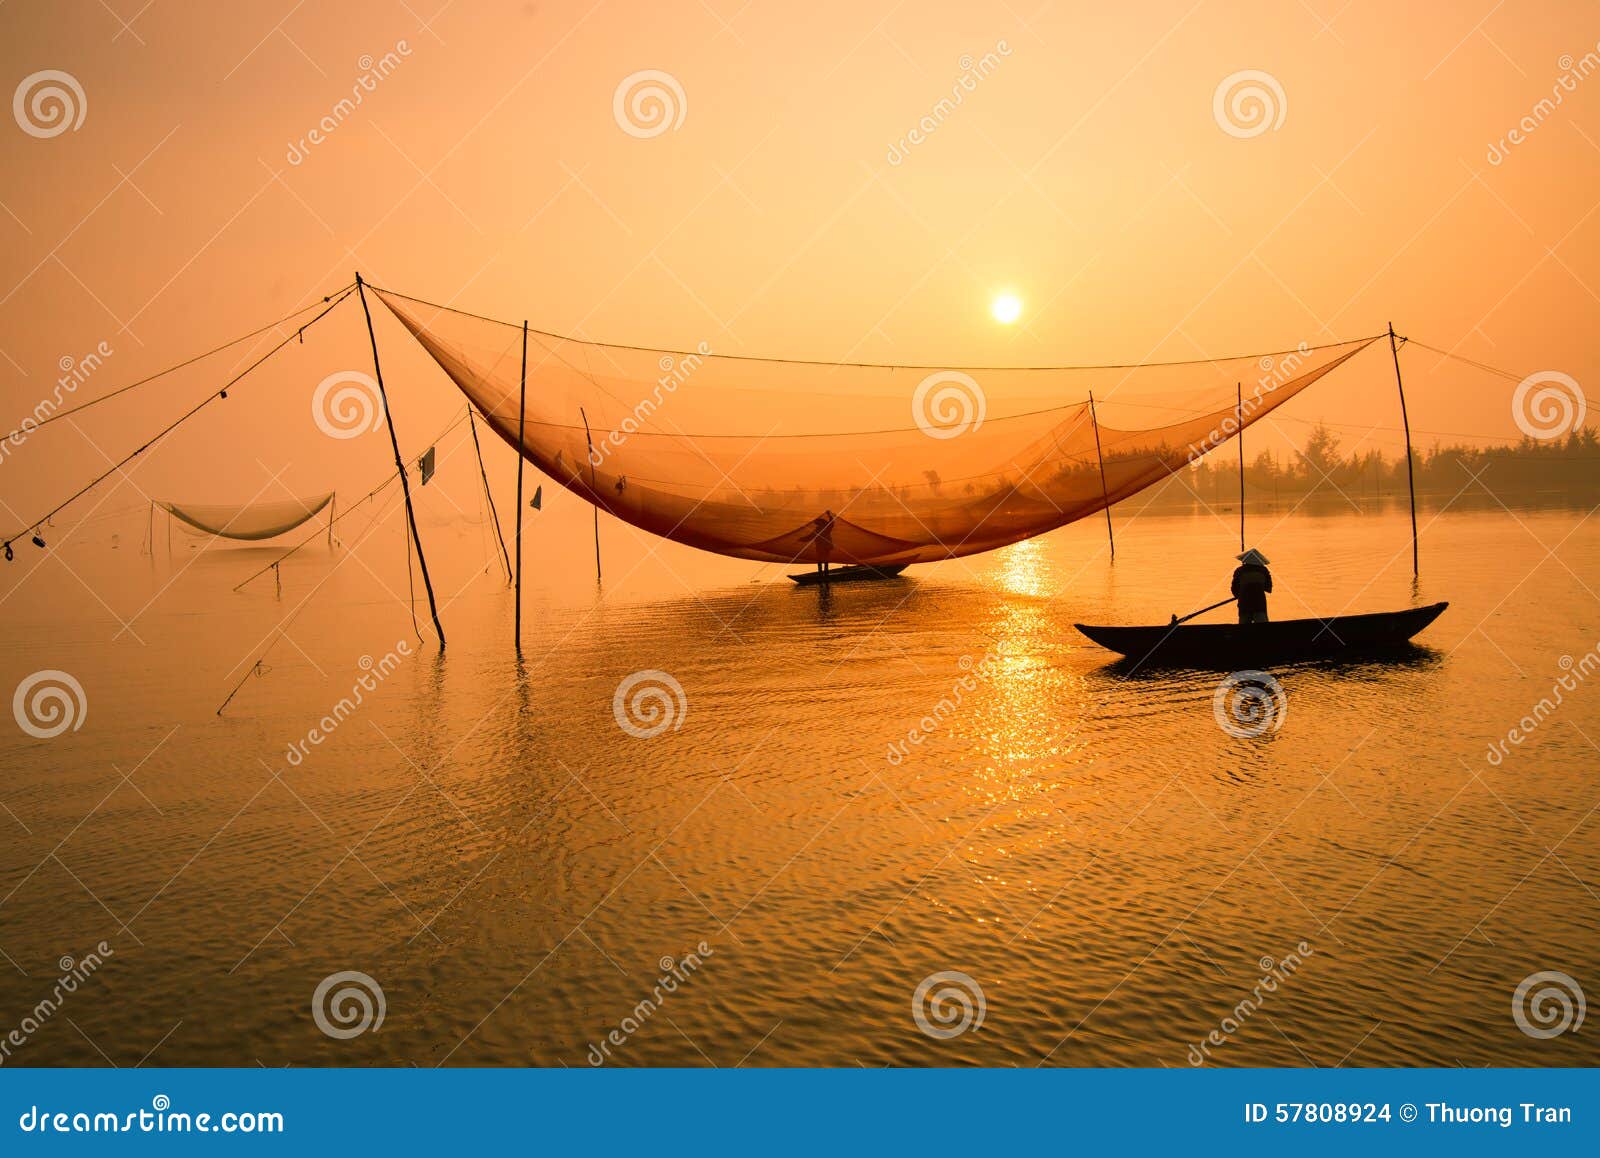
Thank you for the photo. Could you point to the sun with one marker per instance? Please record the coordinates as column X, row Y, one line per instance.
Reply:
column 1006, row 309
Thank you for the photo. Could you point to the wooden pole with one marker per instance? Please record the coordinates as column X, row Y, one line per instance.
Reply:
column 594, row 492
column 494, row 515
column 1411, row 479
column 1239, row 390
column 522, row 427
column 400, row 465
column 1095, row 422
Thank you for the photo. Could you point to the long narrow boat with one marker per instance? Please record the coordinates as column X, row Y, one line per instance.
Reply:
column 1233, row 645
column 851, row 573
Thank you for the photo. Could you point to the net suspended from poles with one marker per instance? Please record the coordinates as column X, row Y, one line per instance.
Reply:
column 249, row 523
column 800, row 462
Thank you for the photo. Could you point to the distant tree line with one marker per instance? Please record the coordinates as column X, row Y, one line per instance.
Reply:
column 1555, row 467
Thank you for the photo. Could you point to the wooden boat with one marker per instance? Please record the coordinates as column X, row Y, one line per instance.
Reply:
column 1237, row 645
column 850, row 573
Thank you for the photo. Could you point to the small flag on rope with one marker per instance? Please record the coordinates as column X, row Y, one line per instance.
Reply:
column 538, row 497
column 426, row 463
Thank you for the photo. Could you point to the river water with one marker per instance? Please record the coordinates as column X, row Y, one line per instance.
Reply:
column 920, row 822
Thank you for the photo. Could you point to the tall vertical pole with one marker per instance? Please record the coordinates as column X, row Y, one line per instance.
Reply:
column 522, row 429
column 1239, row 390
column 399, row 463
column 594, row 493
column 1411, row 478
column 1095, row 422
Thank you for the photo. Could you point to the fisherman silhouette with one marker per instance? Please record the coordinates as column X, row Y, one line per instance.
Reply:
column 823, row 538
column 1251, row 583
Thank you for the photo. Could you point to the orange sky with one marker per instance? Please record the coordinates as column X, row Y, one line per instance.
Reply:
column 1086, row 171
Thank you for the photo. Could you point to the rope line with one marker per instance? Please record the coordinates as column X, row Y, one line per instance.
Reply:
column 220, row 392
column 176, row 367
column 868, row 365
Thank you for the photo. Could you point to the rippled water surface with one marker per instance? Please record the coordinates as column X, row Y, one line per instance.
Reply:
column 1113, row 870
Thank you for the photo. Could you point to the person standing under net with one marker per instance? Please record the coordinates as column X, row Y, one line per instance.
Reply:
column 1251, row 584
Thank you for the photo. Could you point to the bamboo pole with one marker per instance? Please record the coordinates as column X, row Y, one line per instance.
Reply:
column 1411, row 479
column 522, row 427
column 400, row 465
column 1239, row 390
column 1095, row 422
column 593, row 492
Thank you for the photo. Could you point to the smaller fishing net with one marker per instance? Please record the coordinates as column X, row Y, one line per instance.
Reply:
column 248, row 523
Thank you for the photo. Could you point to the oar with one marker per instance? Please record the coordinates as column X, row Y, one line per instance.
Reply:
column 1202, row 611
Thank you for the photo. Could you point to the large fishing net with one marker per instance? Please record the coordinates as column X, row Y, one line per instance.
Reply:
column 800, row 462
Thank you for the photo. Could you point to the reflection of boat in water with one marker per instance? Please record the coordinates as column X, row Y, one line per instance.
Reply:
column 848, row 574
column 1236, row 645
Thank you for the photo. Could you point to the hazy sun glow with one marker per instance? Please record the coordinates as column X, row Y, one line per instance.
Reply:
column 1007, row 308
